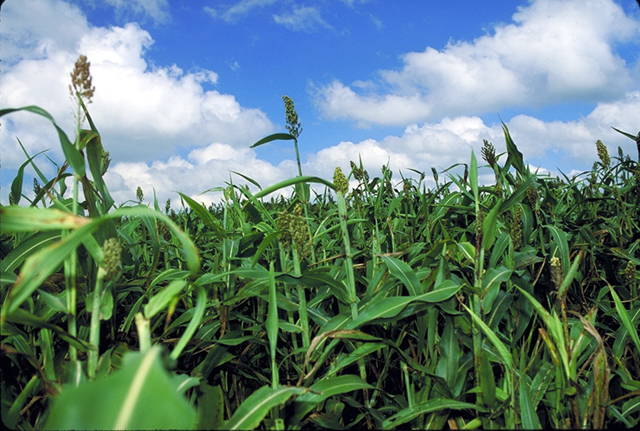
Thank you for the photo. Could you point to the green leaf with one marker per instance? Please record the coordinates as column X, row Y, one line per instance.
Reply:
column 473, row 176
column 34, row 243
column 207, row 218
column 434, row 405
column 563, row 246
column 194, row 322
column 384, row 308
column 628, row 135
column 255, row 408
column 31, row 219
column 324, row 389
column 450, row 350
column 40, row 265
column 16, row 185
column 73, row 156
column 359, row 353
column 515, row 157
column 491, row 281
column 274, row 137
column 210, row 407
column 159, row 301
column 490, row 226
column 487, row 380
column 468, row 250
column 404, row 273
column 624, row 317
column 141, row 395
column 500, row 347
column 293, row 181
column 528, row 413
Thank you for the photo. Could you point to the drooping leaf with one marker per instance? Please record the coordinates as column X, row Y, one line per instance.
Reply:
column 141, row 395
column 253, row 410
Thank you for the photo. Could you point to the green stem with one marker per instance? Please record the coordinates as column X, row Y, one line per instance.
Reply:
column 302, row 300
column 144, row 332
column 348, row 261
column 295, row 144
column 70, row 281
column 94, row 334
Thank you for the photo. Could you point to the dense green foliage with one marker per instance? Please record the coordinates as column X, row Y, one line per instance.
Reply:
column 510, row 305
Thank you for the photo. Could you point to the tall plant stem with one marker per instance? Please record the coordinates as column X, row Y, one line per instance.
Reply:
column 302, row 300
column 295, row 144
column 70, row 281
column 348, row 261
column 94, row 330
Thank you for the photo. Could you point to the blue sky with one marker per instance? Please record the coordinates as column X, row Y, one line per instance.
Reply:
column 183, row 88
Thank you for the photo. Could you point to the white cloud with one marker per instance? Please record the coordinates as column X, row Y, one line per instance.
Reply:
column 203, row 169
column 140, row 110
column 145, row 113
column 302, row 18
column 554, row 51
column 29, row 32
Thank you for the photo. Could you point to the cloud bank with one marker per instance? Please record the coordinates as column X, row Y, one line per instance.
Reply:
column 554, row 51
column 167, row 133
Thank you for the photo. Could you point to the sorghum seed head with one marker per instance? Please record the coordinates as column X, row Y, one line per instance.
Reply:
column 293, row 126
column 283, row 222
column 112, row 251
column 81, row 80
column 603, row 154
column 557, row 276
column 630, row 275
column 406, row 189
column 488, row 153
column 340, row 181
column 139, row 194
column 37, row 188
column 106, row 161
column 479, row 221
column 516, row 228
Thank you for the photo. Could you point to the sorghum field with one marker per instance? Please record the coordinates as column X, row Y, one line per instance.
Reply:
column 385, row 305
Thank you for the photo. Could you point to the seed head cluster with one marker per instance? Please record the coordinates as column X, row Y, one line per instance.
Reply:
column 81, row 80
column 479, row 220
column 340, row 181
column 630, row 276
column 488, row 153
column 406, row 189
column 533, row 196
column 359, row 174
column 557, row 276
column 294, row 231
column 112, row 251
column 516, row 228
column 603, row 153
column 293, row 125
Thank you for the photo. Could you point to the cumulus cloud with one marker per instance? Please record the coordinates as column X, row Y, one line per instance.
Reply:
column 29, row 32
column 144, row 112
column 140, row 109
column 552, row 52
column 147, row 112
column 203, row 169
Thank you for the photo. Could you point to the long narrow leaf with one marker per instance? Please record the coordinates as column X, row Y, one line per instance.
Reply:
column 430, row 406
column 255, row 408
